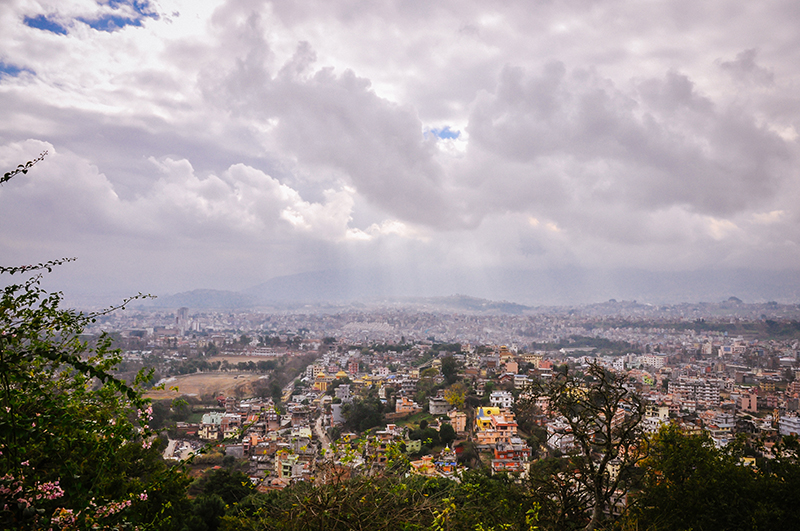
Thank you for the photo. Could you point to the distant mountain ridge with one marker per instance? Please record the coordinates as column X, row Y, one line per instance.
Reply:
column 518, row 290
column 205, row 298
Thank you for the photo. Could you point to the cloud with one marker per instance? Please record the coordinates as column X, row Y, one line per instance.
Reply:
column 275, row 137
column 660, row 146
column 745, row 69
column 242, row 206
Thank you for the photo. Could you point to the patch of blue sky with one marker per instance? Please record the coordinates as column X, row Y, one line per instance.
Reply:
column 141, row 7
column 446, row 132
column 111, row 23
column 9, row 70
column 42, row 22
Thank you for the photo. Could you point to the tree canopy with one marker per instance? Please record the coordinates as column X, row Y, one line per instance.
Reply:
column 76, row 449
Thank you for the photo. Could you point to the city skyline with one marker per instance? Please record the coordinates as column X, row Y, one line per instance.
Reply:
column 540, row 153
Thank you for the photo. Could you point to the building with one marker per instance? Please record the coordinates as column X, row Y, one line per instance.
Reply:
column 512, row 457
column 483, row 417
column 210, row 426
column 789, row 425
column 438, row 406
column 493, row 427
column 559, row 435
column 406, row 406
column 501, row 399
column 749, row 402
column 652, row 360
column 458, row 421
column 695, row 390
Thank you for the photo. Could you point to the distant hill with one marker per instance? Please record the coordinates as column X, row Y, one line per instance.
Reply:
column 518, row 290
column 205, row 298
column 470, row 304
column 566, row 286
column 327, row 286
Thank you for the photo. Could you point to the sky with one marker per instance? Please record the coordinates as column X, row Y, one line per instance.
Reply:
column 454, row 146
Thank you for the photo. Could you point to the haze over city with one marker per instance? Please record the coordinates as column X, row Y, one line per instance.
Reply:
column 535, row 152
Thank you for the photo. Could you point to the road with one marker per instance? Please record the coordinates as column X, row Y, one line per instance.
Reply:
column 323, row 437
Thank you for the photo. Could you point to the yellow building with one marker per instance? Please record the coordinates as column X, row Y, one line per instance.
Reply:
column 321, row 382
column 483, row 417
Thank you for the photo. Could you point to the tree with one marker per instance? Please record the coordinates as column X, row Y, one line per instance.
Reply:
column 231, row 486
column 689, row 483
column 361, row 415
column 455, row 395
column 76, row 449
column 76, row 445
column 447, row 434
column 449, row 369
column 604, row 417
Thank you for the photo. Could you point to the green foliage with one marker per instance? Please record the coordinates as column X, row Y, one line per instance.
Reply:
column 206, row 513
column 604, row 345
column 230, row 486
column 456, row 394
column 76, row 450
column 428, row 436
column 447, row 434
column 390, row 502
column 22, row 168
column 449, row 369
column 361, row 415
column 689, row 483
column 447, row 347
column 336, row 383
column 76, row 445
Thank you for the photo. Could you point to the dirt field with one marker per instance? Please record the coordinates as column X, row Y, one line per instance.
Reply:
column 213, row 383
column 233, row 360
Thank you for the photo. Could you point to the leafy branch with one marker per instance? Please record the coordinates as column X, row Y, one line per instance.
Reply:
column 22, row 168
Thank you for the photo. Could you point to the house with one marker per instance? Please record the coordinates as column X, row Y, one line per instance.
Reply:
column 210, row 426
column 559, row 435
column 405, row 405
column 458, row 420
column 483, row 417
column 438, row 406
column 501, row 399
column 749, row 402
column 512, row 457
column 493, row 427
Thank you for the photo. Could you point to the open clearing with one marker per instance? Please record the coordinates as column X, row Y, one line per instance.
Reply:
column 233, row 360
column 207, row 383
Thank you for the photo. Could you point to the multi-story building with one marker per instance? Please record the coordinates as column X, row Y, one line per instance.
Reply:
column 405, row 405
column 749, row 402
column 789, row 425
column 695, row 390
column 512, row 457
column 501, row 399
column 458, row 420
column 438, row 406
column 210, row 426
column 652, row 360
column 559, row 435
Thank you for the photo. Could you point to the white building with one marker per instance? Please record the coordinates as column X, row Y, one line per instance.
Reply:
column 501, row 399
column 652, row 360
column 789, row 425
